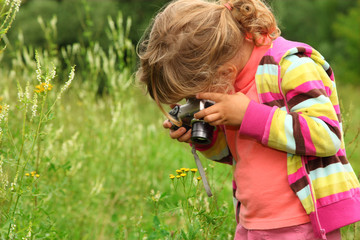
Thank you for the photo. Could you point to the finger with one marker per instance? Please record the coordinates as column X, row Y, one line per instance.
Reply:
column 218, row 122
column 186, row 137
column 205, row 112
column 177, row 133
column 167, row 124
column 216, row 97
column 213, row 118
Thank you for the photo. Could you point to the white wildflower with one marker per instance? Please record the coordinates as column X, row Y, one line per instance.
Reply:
column 3, row 179
column 13, row 184
column 28, row 235
column 53, row 72
column 17, row 5
column 4, row 113
column 3, row 176
column 34, row 106
column 67, row 84
column 20, row 92
column 27, row 93
column 155, row 196
column 38, row 67
column 12, row 230
column 49, row 77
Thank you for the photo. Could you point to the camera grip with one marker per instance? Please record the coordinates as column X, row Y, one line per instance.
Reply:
column 174, row 127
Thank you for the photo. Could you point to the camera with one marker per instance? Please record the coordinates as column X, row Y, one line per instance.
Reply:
column 201, row 132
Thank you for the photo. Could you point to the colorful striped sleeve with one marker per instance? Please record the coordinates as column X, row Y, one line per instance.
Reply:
column 217, row 150
column 308, row 123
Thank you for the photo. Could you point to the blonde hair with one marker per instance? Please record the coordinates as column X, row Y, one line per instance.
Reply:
column 190, row 39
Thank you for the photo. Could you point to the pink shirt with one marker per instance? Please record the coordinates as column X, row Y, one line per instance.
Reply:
column 267, row 200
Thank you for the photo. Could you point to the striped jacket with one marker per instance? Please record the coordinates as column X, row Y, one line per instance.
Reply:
column 299, row 113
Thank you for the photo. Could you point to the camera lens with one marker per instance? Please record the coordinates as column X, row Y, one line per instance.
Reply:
column 201, row 132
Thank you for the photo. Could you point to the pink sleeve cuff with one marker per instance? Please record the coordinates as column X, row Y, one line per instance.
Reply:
column 255, row 120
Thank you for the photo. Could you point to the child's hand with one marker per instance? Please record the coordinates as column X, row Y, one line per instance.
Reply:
column 181, row 134
column 228, row 110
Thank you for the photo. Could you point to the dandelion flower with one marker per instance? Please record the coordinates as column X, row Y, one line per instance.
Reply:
column 183, row 175
column 171, row 176
column 27, row 174
column 183, row 169
column 178, row 176
column 37, row 175
column 178, row 171
column 194, row 170
column 198, row 178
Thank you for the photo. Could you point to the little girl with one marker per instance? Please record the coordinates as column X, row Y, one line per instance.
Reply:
column 276, row 111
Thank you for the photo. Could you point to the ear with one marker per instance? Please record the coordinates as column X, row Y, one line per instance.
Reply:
column 227, row 71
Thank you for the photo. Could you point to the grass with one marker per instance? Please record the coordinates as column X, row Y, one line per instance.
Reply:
column 101, row 159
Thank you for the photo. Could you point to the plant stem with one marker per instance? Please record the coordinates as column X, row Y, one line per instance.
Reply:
column 41, row 117
column 20, row 153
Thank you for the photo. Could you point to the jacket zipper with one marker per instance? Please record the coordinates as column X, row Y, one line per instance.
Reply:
column 322, row 231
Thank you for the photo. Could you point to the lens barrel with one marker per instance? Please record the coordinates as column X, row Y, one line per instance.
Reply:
column 201, row 132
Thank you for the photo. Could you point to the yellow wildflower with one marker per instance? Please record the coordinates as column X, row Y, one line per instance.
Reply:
column 178, row 176
column 171, row 176
column 183, row 175
column 27, row 174
column 183, row 169
column 198, row 178
column 43, row 87
column 187, row 169
column 194, row 170
column 33, row 173
column 178, row 171
column 37, row 175
column 1, row 108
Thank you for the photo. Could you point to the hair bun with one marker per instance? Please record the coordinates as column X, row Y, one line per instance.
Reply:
column 255, row 19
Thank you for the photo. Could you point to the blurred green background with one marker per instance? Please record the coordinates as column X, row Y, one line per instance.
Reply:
column 331, row 26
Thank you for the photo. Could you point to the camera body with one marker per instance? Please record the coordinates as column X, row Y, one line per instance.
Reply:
column 201, row 132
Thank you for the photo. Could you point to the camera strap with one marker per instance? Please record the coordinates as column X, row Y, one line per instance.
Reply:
column 201, row 171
